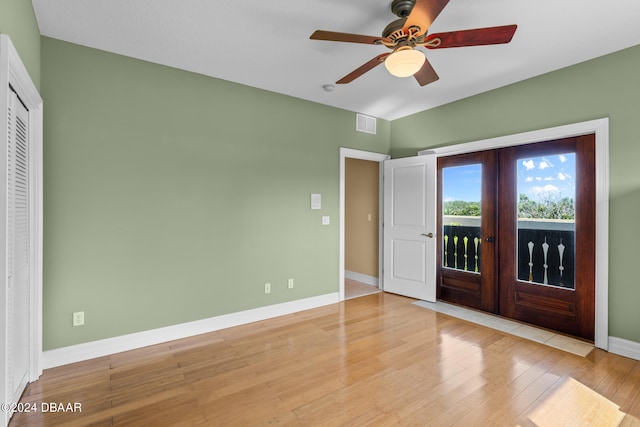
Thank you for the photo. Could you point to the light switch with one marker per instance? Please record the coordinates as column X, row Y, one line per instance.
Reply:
column 326, row 220
column 316, row 201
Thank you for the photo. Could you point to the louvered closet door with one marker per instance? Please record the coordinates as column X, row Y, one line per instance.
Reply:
column 18, row 248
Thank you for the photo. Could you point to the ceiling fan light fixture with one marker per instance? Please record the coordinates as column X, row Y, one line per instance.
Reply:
column 404, row 62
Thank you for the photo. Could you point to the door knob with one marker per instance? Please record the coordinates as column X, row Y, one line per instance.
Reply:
column 490, row 239
column 430, row 235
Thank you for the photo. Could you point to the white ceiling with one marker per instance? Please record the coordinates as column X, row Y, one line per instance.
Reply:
column 265, row 44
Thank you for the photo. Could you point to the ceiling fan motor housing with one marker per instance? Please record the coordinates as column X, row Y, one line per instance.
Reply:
column 402, row 8
column 394, row 29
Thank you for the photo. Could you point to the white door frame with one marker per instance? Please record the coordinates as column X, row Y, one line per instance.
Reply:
column 361, row 155
column 600, row 128
column 13, row 72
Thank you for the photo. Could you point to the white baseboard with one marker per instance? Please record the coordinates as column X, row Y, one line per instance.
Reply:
column 362, row 278
column 105, row 347
column 624, row 348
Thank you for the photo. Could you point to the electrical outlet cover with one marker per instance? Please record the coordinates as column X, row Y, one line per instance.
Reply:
column 78, row 318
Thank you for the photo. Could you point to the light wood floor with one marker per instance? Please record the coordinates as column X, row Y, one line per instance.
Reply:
column 376, row 360
column 355, row 289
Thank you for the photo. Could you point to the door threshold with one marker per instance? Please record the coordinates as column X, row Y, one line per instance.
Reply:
column 531, row 333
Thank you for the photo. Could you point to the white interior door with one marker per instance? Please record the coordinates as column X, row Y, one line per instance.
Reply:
column 410, row 227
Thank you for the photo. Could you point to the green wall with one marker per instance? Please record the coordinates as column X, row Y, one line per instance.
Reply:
column 18, row 20
column 172, row 197
column 604, row 87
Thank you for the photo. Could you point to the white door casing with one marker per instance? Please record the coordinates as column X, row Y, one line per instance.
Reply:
column 410, row 227
column 21, row 295
column 600, row 127
column 361, row 155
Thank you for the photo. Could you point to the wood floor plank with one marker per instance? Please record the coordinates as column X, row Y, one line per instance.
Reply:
column 374, row 360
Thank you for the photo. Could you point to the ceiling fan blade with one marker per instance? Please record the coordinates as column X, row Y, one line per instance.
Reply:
column 363, row 69
column 426, row 74
column 345, row 37
column 423, row 14
column 477, row 37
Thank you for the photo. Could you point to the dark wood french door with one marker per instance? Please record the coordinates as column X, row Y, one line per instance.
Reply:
column 518, row 233
column 466, row 253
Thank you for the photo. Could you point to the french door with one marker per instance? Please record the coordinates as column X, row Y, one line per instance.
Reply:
column 518, row 233
column 466, row 213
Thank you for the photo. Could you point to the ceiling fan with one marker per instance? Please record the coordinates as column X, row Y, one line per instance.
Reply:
column 403, row 35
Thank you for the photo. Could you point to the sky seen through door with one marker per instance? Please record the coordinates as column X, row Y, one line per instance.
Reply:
column 539, row 178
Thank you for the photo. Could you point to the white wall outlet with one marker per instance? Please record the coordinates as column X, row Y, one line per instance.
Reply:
column 267, row 288
column 290, row 283
column 78, row 318
column 326, row 220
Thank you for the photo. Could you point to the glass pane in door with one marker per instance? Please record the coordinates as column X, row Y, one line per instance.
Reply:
column 461, row 214
column 546, row 220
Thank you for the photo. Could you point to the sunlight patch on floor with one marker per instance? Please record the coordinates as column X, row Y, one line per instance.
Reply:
column 573, row 403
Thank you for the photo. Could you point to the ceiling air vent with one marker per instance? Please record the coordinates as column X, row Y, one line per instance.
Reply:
column 365, row 124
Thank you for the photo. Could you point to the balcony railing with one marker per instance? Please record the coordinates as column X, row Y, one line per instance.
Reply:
column 545, row 252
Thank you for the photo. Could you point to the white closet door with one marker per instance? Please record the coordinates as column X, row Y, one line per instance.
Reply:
column 18, row 248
